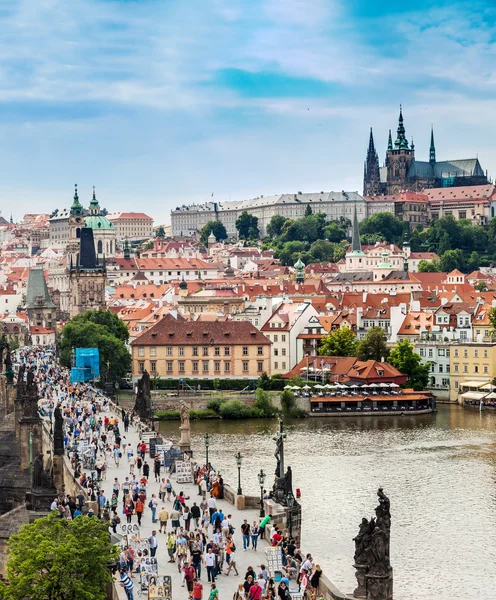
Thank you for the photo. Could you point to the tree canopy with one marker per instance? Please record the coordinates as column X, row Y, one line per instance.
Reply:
column 339, row 342
column 385, row 224
column 247, row 226
column 98, row 329
column 56, row 559
column 408, row 362
column 215, row 227
column 373, row 346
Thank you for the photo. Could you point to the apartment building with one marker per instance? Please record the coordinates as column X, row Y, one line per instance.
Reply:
column 472, row 364
column 132, row 225
column 201, row 349
column 283, row 329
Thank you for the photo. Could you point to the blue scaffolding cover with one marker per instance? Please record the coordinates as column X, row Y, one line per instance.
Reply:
column 88, row 359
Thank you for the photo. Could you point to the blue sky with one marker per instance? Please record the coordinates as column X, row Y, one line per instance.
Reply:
column 163, row 102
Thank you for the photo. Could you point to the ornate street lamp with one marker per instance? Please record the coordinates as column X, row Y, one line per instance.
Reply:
column 206, row 437
column 261, row 481
column 239, row 460
column 50, row 413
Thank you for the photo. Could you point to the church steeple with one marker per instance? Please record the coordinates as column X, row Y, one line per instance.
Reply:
column 76, row 208
column 356, row 245
column 401, row 142
column 94, row 205
column 390, row 142
column 432, row 150
column 371, row 175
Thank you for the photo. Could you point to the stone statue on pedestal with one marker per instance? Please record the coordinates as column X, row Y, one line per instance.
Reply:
column 41, row 476
column 185, row 429
column 58, row 432
column 283, row 488
column 143, row 404
column 373, row 569
column 9, row 373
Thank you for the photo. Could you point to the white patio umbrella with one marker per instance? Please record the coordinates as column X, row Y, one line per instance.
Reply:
column 318, row 387
column 374, row 385
column 288, row 387
column 394, row 385
column 383, row 385
column 296, row 387
column 354, row 385
column 328, row 386
column 306, row 387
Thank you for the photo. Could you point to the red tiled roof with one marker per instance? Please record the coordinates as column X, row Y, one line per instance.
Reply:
column 166, row 332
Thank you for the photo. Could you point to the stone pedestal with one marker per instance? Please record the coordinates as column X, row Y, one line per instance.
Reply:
column 380, row 587
column 240, row 503
column 185, row 441
column 360, row 574
column 58, row 473
column 27, row 426
column 39, row 499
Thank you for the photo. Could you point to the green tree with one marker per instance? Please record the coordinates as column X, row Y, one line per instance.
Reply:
column 334, row 232
column 481, row 287
column 371, row 238
column 428, row 266
column 55, row 559
column 215, row 227
column 160, row 232
column 386, row 224
column 408, row 362
column 288, row 402
column 308, row 211
column 275, row 226
column 444, row 244
column 263, row 404
column 373, row 346
column 84, row 333
column 452, row 259
column 339, row 342
column 247, row 226
column 108, row 319
column 321, row 251
column 473, row 263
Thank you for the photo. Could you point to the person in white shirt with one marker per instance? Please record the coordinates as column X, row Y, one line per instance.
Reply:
column 212, row 505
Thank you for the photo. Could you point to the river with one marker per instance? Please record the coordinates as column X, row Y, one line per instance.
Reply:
column 438, row 470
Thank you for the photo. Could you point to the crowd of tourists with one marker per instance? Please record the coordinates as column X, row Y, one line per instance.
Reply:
column 196, row 535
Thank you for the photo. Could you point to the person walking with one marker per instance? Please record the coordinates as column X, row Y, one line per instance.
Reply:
column 254, row 535
column 163, row 517
column 210, row 563
column 196, row 560
column 146, row 470
column 214, row 592
column 231, row 557
column 245, row 530
column 153, row 543
column 197, row 590
column 156, row 467
column 127, row 584
column 139, row 508
column 153, row 507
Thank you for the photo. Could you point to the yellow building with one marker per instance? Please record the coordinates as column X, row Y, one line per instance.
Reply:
column 472, row 365
column 201, row 349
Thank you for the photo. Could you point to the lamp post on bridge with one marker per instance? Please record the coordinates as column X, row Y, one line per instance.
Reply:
column 206, row 437
column 261, row 481
column 239, row 460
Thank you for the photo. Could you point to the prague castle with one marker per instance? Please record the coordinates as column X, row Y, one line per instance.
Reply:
column 401, row 170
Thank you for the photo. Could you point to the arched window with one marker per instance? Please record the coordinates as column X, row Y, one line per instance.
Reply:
column 107, row 247
column 78, row 232
column 396, row 170
column 100, row 247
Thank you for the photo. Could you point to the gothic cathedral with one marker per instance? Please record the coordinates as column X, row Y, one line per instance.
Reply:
column 402, row 172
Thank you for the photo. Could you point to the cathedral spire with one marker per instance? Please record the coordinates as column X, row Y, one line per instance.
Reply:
column 371, row 142
column 371, row 175
column 390, row 141
column 76, row 208
column 432, row 150
column 401, row 142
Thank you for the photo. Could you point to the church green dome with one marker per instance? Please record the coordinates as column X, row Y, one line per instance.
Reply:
column 98, row 222
column 299, row 264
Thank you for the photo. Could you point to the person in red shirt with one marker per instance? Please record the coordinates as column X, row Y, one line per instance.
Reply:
column 189, row 577
column 255, row 592
column 277, row 539
column 143, row 450
column 197, row 590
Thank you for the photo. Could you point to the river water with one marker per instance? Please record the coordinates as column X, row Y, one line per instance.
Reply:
column 438, row 470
